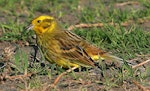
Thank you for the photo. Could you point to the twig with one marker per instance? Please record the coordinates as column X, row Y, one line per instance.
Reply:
column 16, row 77
column 140, row 64
column 124, row 24
column 59, row 77
column 133, row 59
column 140, row 86
column 127, row 3
column 148, row 55
column 62, row 74
column 82, row 25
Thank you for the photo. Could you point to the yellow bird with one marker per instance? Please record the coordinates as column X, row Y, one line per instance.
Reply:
column 64, row 47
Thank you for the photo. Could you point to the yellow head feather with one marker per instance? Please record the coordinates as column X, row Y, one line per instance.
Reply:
column 43, row 24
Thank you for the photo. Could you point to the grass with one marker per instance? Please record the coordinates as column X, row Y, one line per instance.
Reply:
column 126, row 42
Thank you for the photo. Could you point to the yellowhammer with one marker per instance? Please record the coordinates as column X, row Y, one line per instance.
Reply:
column 65, row 48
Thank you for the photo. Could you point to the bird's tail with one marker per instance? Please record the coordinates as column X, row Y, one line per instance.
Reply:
column 112, row 59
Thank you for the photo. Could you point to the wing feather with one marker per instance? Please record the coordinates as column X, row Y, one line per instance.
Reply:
column 71, row 49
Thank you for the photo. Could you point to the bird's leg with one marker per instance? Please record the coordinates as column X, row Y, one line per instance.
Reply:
column 35, row 47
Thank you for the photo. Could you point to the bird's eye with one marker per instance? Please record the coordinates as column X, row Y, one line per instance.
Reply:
column 38, row 21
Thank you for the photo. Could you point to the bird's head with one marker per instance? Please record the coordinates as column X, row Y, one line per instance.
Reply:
column 43, row 24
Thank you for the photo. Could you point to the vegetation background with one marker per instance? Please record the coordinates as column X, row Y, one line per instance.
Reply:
column 124, row 30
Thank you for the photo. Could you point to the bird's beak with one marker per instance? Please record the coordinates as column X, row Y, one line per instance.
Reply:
column 30, row 27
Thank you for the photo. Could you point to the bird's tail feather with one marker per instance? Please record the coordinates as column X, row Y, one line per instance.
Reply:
column 111, row 58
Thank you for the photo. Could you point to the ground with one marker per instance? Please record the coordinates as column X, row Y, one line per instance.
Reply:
column 120, row 27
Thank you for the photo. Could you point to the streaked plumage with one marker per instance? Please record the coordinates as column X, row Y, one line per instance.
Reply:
column 65, row 48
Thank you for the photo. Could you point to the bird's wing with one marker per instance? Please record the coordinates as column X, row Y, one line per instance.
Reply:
column 71, row 49
column 78, row 55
